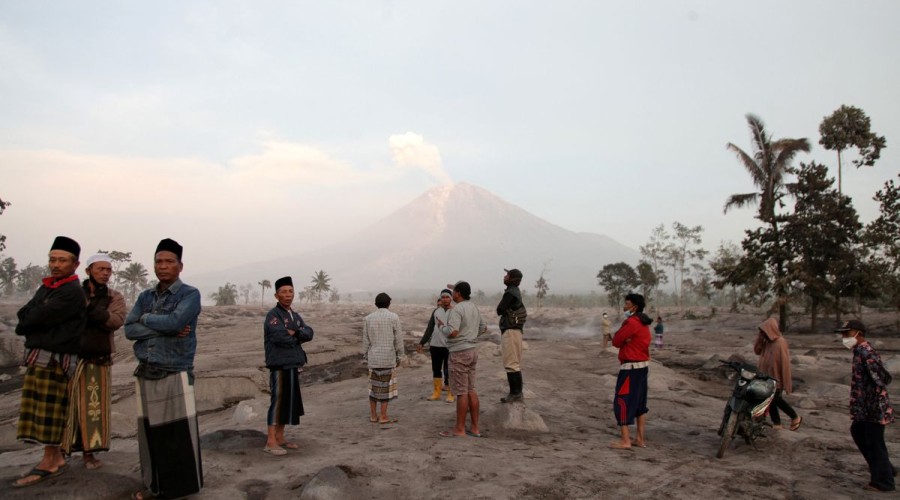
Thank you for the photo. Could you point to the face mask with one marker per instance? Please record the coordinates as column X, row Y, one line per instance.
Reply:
column 629, row 314
column 849, row 342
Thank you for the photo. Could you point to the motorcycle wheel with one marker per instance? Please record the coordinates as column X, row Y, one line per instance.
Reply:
column 727, row 434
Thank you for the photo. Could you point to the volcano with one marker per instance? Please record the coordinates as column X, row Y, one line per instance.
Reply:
column 450, row 233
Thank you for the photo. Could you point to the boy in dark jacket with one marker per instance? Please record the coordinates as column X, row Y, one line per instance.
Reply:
column 512, row 319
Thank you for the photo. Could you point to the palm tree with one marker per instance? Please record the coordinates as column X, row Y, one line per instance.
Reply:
column 768, row 165
column 134, row 276
column 320, row 284
column 264, row 284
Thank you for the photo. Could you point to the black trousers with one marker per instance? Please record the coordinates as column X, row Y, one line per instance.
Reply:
column 869, row 438
column 440, row 358
column 780, row 403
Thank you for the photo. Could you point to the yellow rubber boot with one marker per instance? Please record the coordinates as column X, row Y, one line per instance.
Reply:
column 450, row 397
column 436, row 395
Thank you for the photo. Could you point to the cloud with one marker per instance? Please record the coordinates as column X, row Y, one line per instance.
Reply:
column 283, row 197
column 411, row 150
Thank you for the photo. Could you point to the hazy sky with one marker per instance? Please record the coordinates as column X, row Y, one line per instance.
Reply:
column 250, row 130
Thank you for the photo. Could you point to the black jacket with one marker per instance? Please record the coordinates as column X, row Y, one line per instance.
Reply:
column 511, row 309
column 54, row 318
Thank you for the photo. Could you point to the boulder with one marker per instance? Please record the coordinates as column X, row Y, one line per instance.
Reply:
column 243, row 413
column 517, row 416
column 330, row 483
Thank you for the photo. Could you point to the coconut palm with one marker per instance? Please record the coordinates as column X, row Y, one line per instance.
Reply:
column 134, row 276
column 320, row 285
column 768, row 165
column 264, row 284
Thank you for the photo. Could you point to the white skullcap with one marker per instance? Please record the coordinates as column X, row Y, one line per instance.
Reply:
column 98, row 257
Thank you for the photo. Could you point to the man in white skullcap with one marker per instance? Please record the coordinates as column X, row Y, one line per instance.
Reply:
column 87, row 420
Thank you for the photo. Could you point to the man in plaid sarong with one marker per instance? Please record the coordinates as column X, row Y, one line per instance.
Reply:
column 51, row 322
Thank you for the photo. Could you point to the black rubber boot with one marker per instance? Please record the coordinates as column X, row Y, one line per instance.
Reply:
column 515, row 388
column 509, row 379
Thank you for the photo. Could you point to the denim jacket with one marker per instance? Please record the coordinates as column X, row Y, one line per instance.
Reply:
column 155, row 321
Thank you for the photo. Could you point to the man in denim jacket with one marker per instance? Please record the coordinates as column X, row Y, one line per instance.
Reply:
column 163, row 324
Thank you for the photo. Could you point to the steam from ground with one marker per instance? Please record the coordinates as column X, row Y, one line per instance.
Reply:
column 411, row 150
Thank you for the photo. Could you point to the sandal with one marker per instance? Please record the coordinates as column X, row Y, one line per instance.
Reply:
column 795, row 426
column 41, row 474
column 275, row 451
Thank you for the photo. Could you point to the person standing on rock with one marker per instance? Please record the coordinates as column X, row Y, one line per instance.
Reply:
column 52, row 323
column 870, row 405
column 630, row 402
column 436, row 338
column 775, row 361
column 88, row 422
column 607, row 330
column 283, row 333
column 163, row 326
column 658, row 333
column 383, row 349
column 465, row 325
column 512, row 314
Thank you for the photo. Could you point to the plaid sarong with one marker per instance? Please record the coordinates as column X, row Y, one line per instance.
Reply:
column 45, row 397
column 87, row 424
column 287, row 403
column 168, row 436
column 382, row 384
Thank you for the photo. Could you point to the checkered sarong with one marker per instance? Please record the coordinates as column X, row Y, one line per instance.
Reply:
column 45, row 398
column 382, row 384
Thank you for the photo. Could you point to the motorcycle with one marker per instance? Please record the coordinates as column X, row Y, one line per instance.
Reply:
column 745, row 413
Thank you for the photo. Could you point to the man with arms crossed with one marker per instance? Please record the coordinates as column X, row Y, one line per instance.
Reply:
column 52, row 322
column 163, row 326
column 87, row 424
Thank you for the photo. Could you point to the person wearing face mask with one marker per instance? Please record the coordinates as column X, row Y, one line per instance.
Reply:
column 870, row 405
column 633, row 341
column 775, row 361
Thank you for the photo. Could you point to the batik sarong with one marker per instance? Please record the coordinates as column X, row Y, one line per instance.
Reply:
column 168, row 436
column 45, row 398
column 382, row 384
column 87, row 424
column 286, row 403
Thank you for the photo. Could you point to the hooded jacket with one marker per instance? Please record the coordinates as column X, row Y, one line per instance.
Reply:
column 633, row 339
column 774, row 357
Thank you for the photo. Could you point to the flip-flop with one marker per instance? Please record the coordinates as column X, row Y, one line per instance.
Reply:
column 42, row 474
column 373, row 420
column 796, row 426
column 638, row 445
column 474, row 434
column 93, row 465
column 448, row 434
column 618, row 446
column 276, row 451
column 290, row 446
column 389, row 421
